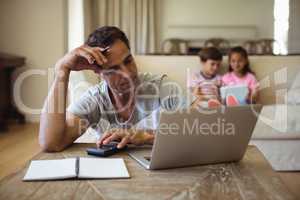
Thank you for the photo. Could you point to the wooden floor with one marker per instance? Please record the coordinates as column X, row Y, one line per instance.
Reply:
column 20, row 143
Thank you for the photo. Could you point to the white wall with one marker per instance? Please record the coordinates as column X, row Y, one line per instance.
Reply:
column 35, row 29
column 235, row 18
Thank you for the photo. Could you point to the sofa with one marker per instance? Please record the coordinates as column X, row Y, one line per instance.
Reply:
column 277, row 132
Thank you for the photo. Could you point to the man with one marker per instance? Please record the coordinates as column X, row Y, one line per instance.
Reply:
column 113, row 107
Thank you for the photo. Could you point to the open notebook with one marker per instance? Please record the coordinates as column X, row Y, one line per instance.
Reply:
column 90, row 168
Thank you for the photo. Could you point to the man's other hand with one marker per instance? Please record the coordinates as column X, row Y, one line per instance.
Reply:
column 126, row 136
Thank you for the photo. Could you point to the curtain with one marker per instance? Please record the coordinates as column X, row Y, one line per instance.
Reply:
column 137, row 18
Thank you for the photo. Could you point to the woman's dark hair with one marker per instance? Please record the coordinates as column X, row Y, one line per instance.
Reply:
column 106, row 36
column 210, row 53
column 243, row 53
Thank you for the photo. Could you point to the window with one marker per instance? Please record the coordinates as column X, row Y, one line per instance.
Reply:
column 75, row 24
column 281, row 26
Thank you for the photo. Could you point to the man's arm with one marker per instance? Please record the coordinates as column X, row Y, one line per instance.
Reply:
column 58, row 128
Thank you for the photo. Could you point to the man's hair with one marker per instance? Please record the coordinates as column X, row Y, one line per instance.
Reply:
column 210, row 53
column 106, row 36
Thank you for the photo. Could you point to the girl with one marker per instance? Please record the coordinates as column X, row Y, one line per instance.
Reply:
column 241, row 74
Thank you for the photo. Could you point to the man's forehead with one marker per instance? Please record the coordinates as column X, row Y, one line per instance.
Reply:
column 117, row 53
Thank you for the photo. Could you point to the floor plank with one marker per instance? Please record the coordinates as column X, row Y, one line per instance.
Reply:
column 17, row 145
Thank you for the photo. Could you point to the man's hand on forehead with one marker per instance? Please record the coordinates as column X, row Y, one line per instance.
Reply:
column 84, row 58
column 98, row 56
column 117, row 55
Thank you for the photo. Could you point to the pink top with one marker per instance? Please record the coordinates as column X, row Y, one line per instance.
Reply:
column 249, row 79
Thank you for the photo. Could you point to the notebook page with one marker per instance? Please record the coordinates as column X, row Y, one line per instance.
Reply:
column 51, row 169
column 102, row 168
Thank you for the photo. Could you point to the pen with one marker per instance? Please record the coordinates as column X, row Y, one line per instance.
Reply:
column 103, row 51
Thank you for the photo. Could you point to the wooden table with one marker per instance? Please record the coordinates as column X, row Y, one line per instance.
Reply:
column 252, row 178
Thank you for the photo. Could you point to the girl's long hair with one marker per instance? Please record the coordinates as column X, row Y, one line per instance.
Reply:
column 243, row 53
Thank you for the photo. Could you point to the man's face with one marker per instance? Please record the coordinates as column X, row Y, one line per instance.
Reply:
column 120, row 70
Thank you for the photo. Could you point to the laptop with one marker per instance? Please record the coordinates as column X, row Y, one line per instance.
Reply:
column 197, row 137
